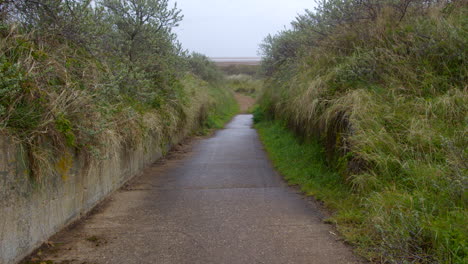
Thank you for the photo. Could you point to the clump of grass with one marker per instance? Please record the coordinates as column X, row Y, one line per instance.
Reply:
column 39, row 262
column 97, row 241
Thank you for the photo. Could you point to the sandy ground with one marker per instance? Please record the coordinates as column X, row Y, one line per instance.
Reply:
column 217, row 200
column 245, row 102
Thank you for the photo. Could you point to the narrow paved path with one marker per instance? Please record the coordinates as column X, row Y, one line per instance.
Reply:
column 221, row 203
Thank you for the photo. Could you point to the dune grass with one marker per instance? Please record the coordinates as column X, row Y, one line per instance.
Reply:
column 383, row 90
column 244, row 84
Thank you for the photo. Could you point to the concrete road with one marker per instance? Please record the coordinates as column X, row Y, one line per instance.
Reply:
column 221, row 203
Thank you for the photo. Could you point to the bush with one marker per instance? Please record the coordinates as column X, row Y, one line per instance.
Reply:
column 201, row 66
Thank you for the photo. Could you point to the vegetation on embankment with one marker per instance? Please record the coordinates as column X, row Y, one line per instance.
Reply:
column 310, row 170
column 243, row 79
column 244, row 84
column 77, row 75
column 382, row 87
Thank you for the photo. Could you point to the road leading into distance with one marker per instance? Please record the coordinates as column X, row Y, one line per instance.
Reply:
column 221, row 202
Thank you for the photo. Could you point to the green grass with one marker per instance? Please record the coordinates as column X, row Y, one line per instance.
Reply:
column 309, row 169
column 412, row 217
column 222, row 113
column 304, row 164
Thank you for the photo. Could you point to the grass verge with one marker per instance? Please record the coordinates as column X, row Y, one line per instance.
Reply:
column 309, row 171
column 222, row 113
column 304, row 163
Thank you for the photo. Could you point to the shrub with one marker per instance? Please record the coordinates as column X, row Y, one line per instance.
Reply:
column 201, row 66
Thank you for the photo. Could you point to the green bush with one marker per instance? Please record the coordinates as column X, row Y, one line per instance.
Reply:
column 201, row 66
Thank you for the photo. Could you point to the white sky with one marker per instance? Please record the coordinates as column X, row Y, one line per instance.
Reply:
column 234, row 28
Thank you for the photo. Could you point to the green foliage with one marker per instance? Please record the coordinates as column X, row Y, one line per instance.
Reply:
column 382, row 86
column 304, row 164
column 201, row 66
column 258, row 115
column 64, row 126
column 25, row 118
column 221, row 114
column 244, row 84
column 91, row 75
column 223, row 110
column 11, row 79
column 17, row 111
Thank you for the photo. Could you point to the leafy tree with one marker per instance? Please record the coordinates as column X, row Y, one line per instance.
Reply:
column 141, row 20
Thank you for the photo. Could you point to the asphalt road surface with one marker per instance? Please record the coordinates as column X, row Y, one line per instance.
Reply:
column 221, row 202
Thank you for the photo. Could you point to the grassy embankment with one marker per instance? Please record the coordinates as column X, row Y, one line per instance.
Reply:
column 365, row 106
column 73, row 83
column 48, row 112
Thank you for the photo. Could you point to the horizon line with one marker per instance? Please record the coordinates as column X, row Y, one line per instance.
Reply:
column 235, row 57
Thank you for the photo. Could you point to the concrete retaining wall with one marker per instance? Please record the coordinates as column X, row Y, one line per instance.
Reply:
column 30, row 212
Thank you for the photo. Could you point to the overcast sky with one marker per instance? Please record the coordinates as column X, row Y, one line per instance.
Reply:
column 234, row 28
